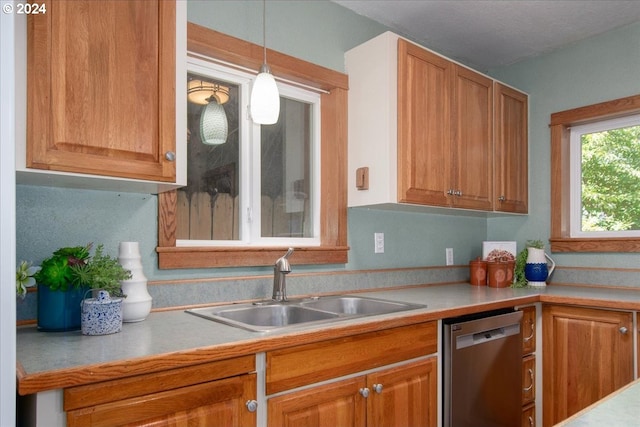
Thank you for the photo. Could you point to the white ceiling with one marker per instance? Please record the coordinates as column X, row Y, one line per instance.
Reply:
column 492, row 33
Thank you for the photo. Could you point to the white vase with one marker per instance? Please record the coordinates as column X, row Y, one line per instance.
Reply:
column 137, row 305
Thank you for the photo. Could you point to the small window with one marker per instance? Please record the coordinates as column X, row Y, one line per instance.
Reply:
column 605, row 178
column 248, row 184
column 595, row 177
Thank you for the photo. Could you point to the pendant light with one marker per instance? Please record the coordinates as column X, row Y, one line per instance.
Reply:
column 265, row 99
column 213, row 123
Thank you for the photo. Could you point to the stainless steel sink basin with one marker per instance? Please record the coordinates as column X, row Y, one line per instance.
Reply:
column 272, row 315
column 351, row 305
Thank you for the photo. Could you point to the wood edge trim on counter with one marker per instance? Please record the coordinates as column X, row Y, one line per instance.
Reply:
column 93, row 373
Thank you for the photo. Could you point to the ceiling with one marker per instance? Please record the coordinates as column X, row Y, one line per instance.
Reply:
column 491, row 33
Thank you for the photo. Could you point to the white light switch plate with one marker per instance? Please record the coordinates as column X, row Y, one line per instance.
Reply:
column 378, row 243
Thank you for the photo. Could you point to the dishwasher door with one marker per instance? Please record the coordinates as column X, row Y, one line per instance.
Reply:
column 482, row 375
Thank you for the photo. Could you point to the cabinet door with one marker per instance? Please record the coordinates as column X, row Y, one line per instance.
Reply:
column 511, row 146
column 424, row 126
column 101, row 88
column 587, row 354
column 404, row 396
column 472, row 138
column 215, row 403
column 330, row 405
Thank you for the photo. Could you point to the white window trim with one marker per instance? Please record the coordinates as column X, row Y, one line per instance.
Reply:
column 250, row 206
column 575, row 173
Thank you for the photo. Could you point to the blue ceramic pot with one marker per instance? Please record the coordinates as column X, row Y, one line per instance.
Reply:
column 58, row 310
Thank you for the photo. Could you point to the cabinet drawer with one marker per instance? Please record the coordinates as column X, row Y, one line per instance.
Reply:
column 529, row 416
column 528, row 329
column 307, row 364
column 139, row 385
column 528, row 379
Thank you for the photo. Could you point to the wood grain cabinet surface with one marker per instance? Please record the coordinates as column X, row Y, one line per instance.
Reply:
column 588, row 353
column 101, row 80
column 431, row 132
column 511, row 150
column 529, row 373
column 400, row 395
column 211, row 394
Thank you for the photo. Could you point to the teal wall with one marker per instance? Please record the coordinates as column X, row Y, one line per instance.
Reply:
column 602, row 68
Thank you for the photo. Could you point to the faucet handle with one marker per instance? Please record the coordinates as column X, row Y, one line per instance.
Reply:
column 288, row 254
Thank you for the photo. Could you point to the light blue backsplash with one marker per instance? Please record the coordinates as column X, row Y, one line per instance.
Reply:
column 604, row 67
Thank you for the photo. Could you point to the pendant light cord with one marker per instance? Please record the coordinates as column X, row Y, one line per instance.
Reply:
column 264, row 30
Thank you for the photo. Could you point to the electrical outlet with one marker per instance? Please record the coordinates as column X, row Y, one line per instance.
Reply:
column 378, row 239
column 449, row 253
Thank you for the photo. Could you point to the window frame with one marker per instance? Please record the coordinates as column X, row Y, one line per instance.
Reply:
column 576, row 133
column 561, row 123
column 333, row 248
column 250, row 154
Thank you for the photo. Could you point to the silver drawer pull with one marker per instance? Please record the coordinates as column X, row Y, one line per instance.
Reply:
column 532, row 334
column 532, row 381
column 364, row 392
column 252, row 405
column 377, row 388
column 623, row 330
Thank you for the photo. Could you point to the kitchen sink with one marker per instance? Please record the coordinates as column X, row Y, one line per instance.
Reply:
column 272, row 315
column 358, row 306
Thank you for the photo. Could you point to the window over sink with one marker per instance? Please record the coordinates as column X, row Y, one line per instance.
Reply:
column 309, row 181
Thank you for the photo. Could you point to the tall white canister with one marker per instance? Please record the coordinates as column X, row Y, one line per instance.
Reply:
column 137, row 305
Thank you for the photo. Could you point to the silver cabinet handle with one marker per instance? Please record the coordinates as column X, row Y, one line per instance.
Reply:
column 532, row 333
column 450, row 192
column 251, row 405
column 364, row 392
column 531, row 421
column 458, row 192
column 532, row 381
column 502, row 199
column 623, row 330
column 170, row 155
column 377, row 388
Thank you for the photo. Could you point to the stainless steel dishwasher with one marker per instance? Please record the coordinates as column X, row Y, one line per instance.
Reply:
column 482, row 375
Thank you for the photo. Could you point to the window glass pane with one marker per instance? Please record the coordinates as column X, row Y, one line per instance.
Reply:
column 208, row 205
column 286, row 172
column 610, row 174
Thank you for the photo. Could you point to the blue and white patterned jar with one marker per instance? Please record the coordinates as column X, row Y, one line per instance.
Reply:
column 101, row 315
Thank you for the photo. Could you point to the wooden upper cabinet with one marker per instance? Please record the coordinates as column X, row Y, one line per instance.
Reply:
column 472, row 138
column 101, row 81
column 424, row 126
column 511, row 150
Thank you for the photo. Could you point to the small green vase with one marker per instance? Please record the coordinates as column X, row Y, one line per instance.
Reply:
column 59, row 311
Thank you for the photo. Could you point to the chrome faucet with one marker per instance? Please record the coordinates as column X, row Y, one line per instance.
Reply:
column 280, row 269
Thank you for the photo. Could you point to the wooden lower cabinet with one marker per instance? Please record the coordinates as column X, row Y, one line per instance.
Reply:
column 185, row 396
column 587, row 354
column 400, row 396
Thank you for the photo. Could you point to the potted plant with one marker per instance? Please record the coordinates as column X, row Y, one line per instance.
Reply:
column 66, row 276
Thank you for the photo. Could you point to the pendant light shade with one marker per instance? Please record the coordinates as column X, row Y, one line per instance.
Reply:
column 213, row 124
column 265, row 99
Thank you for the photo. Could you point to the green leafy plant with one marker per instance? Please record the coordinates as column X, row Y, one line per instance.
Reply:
column 56, row 272
column 520, row 281
column 74, row 267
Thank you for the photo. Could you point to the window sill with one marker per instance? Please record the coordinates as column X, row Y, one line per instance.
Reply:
column 630, row 244
column 207, row 257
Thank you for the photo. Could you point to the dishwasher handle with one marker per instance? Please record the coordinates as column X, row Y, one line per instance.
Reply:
column 482, row 337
